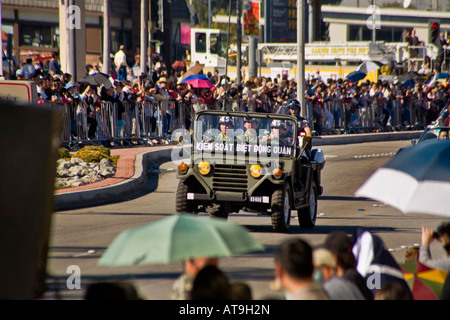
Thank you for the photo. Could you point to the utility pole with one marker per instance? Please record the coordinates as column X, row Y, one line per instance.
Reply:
column 144, row 36
column 301, row 56
column 72, row 50
column 106, row 39
column 238, row 42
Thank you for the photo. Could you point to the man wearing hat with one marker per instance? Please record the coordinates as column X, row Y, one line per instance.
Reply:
column 340, row 245
column 19, row 74
column 250, row 125
column 280, row 132
column 294, row 110
column 337, row 288
column 226, row 123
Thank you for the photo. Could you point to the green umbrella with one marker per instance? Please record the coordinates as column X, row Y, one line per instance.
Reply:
column 176, row 238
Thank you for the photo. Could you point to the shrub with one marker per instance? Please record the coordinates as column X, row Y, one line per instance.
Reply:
column 95, row 154
column 64, row 153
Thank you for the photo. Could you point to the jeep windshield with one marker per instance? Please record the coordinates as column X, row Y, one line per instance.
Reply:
column 244, row 133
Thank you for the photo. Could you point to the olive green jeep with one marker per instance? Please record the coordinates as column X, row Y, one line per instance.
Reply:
column 256, row 162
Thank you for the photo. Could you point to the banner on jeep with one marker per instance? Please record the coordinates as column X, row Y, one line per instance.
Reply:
column 231, row 147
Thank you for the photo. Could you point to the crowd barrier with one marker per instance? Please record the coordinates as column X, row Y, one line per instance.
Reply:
column 141, row 123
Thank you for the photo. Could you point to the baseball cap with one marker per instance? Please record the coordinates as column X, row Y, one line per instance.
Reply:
column 323, row 257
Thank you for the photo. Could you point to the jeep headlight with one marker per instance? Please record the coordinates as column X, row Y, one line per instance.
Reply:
column 277, row 173
column 183, row 168
column 255, row 170
column 204, row 168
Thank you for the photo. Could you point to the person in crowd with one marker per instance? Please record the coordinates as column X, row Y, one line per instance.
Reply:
column 211, row 283
column 54, row 67
column 28, row 69
column 120, row 61
column 100, row 291
column 66, row 78
column 413, row 42
column 241, row 291
column 92, row 103
column 113, row 95
column 441, row 234
column 20, row 75
column 337, row 288
column 294, row 271
column 392, row 291
column 182, row 287
column 41, row 88
column 340, row 245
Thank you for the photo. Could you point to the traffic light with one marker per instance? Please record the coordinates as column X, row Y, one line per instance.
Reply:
column 435, row 29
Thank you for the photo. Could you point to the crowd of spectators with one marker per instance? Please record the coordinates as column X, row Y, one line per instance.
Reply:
column 332, row 106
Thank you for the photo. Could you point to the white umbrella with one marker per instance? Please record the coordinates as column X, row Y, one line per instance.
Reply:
column 417, row 180
column 369, row 66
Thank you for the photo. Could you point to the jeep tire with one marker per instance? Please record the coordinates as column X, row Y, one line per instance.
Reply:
column 183, row 205
column 307, row 215
column 281, row 209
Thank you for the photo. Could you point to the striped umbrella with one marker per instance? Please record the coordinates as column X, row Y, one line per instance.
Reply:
column 416, row 180
column 424, row 282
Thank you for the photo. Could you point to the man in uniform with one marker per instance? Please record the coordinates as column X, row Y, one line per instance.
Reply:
column 250, row 135
column 225, row 123
column 279, row 132
column 294, row 109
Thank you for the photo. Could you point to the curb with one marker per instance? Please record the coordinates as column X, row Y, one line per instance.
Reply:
column 123, row 190
column 120, row 191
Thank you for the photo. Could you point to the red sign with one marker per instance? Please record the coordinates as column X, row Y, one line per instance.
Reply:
column 251, row 18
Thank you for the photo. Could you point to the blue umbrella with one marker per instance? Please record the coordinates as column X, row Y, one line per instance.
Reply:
column 442, row 75
column 416, row 180
column 195, row 77
column 355, row 76
column 409, row 83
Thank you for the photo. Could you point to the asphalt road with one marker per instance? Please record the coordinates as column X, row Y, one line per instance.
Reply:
column 80, row 236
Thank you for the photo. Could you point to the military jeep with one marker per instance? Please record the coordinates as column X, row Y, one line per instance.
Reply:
column 256, row 162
